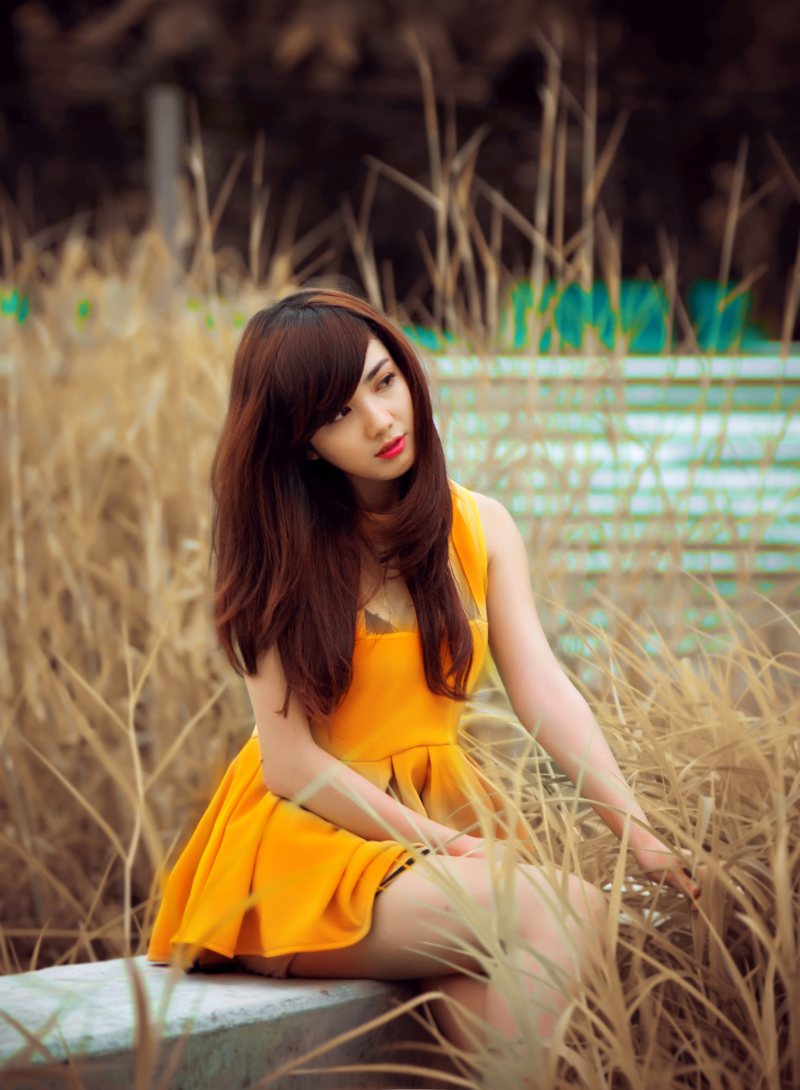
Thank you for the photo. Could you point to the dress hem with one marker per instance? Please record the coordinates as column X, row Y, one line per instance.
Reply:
column 400, row 863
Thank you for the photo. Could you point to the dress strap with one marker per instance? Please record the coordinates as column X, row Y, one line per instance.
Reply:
column 469, row 543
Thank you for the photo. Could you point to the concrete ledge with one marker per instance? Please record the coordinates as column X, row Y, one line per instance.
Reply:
column 221, row 1031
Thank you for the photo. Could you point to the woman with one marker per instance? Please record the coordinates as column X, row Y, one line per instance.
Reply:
column 357, row 591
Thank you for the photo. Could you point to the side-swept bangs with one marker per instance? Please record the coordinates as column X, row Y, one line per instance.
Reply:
column 311, row 359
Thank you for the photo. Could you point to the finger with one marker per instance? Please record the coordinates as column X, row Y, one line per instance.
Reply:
column 697, row 871
column 692, row 884
column 682, row 880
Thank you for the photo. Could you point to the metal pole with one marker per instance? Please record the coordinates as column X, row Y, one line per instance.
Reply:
column 165, row 129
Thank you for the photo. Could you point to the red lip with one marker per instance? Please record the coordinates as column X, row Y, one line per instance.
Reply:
column 392, row 449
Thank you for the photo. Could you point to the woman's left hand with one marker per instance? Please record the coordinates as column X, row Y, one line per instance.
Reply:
column 661, row 864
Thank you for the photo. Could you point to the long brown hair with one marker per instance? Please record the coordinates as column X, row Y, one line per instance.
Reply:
column 288, row 533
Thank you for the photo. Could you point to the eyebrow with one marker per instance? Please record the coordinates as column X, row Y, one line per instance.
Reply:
column 373, row 372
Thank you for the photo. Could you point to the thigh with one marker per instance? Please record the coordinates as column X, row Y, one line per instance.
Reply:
column 429, row 920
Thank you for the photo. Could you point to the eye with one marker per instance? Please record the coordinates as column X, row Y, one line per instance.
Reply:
column 342, row 413
column 387, row 379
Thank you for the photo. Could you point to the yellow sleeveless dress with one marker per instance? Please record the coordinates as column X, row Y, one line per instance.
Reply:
column 261, row 875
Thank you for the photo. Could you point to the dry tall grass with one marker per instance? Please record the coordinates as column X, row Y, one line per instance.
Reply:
column 119, row 713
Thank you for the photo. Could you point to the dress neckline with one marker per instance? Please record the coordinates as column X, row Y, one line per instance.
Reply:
column 362, row 634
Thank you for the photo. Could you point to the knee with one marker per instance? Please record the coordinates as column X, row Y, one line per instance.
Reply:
column 587, row 901
column 572, row 900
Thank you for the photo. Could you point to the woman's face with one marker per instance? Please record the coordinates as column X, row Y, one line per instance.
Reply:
column 371, row 439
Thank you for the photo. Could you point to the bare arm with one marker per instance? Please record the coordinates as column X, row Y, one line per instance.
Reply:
column 296, row 768
column 549, row 705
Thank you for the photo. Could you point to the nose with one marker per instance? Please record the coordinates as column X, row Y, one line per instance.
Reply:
column 378, row 419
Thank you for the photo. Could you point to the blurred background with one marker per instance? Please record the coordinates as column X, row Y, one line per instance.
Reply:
column 588, row 216
column 683, row 89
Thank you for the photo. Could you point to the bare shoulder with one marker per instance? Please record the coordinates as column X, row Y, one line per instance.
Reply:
column 498, row 526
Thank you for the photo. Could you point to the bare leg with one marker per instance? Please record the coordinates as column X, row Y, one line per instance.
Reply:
column 405, row 941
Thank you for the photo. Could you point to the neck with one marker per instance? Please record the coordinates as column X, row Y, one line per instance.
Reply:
column 377, row 497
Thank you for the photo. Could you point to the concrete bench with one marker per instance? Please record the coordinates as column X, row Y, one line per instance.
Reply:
column 221, row 1031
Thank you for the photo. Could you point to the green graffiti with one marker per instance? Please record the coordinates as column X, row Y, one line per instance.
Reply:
column 428, row 338
column 640, row 320
column 16, row 305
